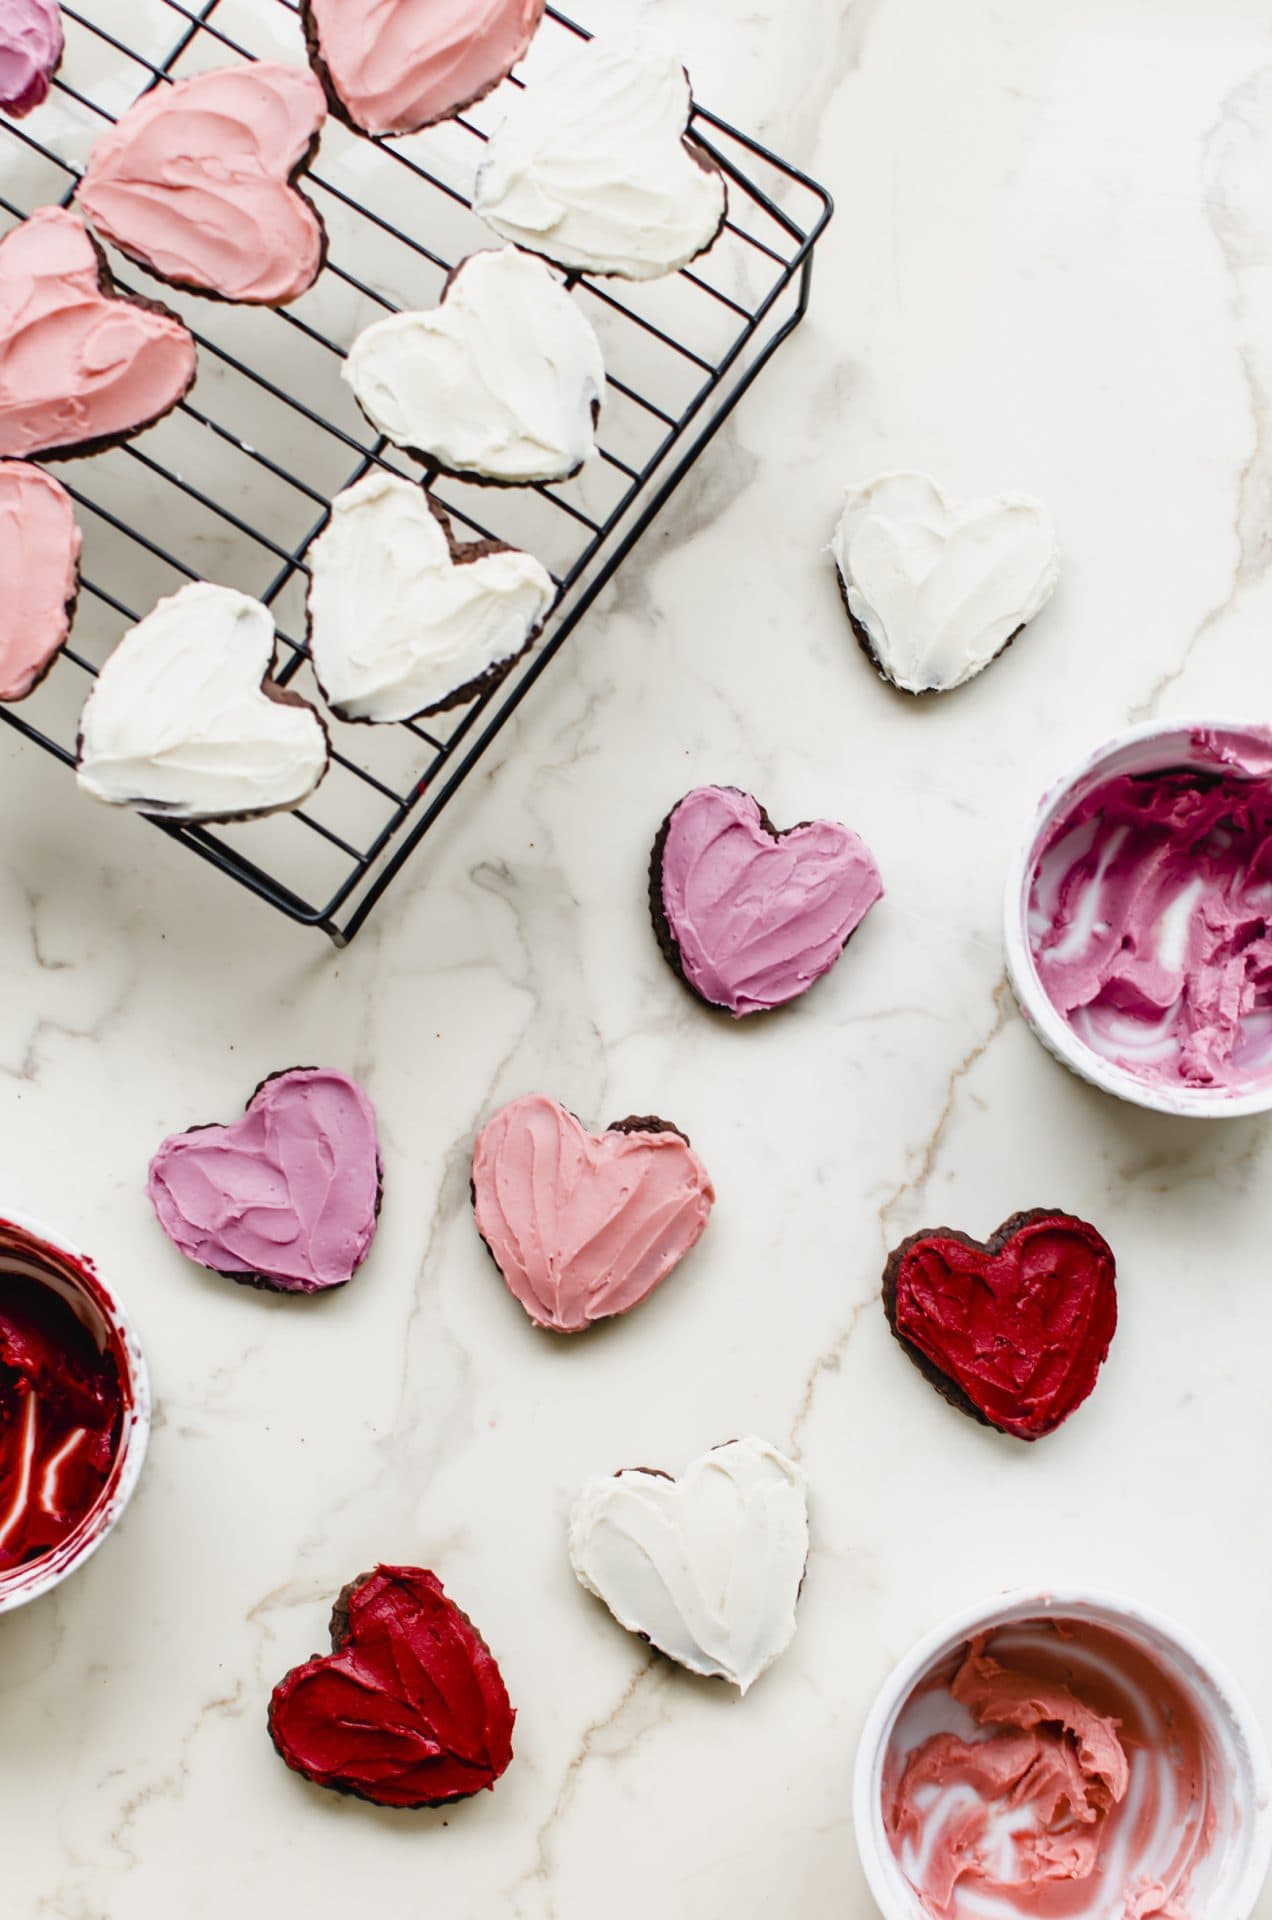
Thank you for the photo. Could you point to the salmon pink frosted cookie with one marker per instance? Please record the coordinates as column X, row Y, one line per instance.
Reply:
column 39, row 565
column 394, row 66
column 31, row 43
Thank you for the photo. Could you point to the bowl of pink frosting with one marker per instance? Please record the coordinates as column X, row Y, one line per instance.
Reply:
column 74, row 1410
column 1062, row 1754
column 1138, row 918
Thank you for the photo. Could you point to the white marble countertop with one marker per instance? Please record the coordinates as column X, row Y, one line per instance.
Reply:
column 1051, row 269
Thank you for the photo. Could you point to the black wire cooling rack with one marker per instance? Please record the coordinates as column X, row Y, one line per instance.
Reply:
column 236, row 482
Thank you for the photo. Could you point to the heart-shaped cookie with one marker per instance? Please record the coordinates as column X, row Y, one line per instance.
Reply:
column 936, row 591
column 408, row 1709
column 31, row 45
column 394, row 66
column 584, row 1225
column 502, row 381
column 405, row 620
column 285, row 1198
column 708, row 1567
column 1014, row 1330
column 750, row 916
column 197, row 182
column 183, row 720
column 594, row 167
column 39, row 565
column 81, row 367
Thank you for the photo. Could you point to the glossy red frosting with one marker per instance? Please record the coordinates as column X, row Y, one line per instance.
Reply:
column 62, row 1403
column 1019, row 1325
column 408, row 1709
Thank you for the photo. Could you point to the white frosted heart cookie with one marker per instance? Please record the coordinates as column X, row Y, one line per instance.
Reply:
column 404, row 621
column 935, row 591
column 183, row 720
column 502, row 381
column 707, row 1567
column 593, row 166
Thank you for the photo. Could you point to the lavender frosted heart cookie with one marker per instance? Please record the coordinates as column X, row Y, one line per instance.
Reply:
column 750, row 915
column 31, row 44
column 287, row 1198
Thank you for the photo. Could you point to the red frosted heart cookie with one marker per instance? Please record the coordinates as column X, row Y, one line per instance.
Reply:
column 39, row 565
column 197, row 182
column 408, row 1709
column 584, row 1225
column 81, row 367
column 1012, row 1331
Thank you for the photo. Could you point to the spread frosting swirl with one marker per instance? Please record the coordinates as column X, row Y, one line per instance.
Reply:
column 196, row 182
column 288, row 1194
column 395, row 66
column 31, row 43
column 39, row 565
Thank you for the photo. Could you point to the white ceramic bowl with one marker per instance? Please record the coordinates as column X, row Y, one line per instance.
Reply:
column 1154, row 746
column 1241, row 1866
column 20, row 1585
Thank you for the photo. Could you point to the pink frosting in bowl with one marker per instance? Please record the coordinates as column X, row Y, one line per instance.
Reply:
column 30, row 53
column 1139, row 918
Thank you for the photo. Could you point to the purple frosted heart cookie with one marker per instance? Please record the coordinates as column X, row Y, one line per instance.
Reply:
column 30, row 53
column 285, row 1198
column 748, row 915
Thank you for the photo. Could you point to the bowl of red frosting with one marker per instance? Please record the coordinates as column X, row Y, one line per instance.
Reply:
column 1056, row 1754
column 74, row 1410
column 1138, row 918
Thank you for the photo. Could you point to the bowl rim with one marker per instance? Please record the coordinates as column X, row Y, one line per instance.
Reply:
column 887, row 1886
column 106, row 1513
column 1039, row 1012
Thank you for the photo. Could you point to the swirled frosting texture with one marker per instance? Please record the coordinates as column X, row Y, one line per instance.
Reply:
column 78, row 364
column 592, row 167
column 707, row 1567
column 39, row 565
column 502, row 380
column 287, row 1195
column 31, row 43
column 395, row 66
column 1054, row 1769
column 755, row 916
column 401, row 621
column 179, row 722
column 584, row 1225
column 63, row 1402
column 1150, row 918
column 195, row 182
column 408, row 1709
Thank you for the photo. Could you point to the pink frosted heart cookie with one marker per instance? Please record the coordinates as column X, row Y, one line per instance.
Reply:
column 750, row 916
column 31, row 44
column 81, row 366
column 197, row 183
column 584, row 1225
column 287, row 1197
column 394, row 66
column 39, row 565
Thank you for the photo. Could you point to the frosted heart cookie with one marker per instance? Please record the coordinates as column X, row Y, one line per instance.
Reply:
column 31, row 46
column 595, row 168
column 1012, row 1330
column 394, row 66
column 39, row 565
column 408, row 1709
column 707, row 1567
column 287, row 1197
column 81, row 366
column 197, row 182
column 405, row 620
column 584, row 1225
column 935, row 591
column 750, row 915
column 183, row 720
column 502, row 381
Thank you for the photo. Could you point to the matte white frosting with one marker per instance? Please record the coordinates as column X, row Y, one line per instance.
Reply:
column 707, row 1567
column 177, row 723
column 591, row 167
column 397, row 625
column 501, row 380
column 941, row 588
